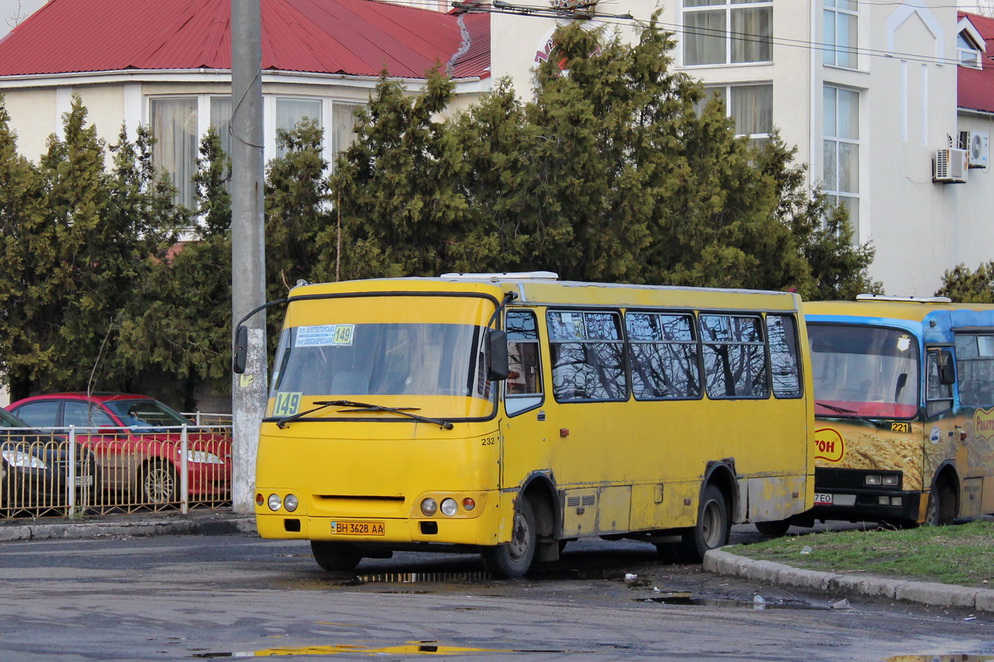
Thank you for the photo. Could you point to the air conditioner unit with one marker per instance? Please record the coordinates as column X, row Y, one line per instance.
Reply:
column 976, row 144
column 949, row 166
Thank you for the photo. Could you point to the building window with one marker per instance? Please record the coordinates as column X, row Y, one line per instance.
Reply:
column 968, row 53
column 174, row 125
column 221, row 121
column 291, row 111
column 840, row 33
column 343, row 127
column 841, row 145
column 751, row 106
column 719, row 32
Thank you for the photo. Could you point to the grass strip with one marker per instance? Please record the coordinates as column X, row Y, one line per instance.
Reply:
column 957, row 554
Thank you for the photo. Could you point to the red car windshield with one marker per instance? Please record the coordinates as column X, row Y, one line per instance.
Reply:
column 145, row 413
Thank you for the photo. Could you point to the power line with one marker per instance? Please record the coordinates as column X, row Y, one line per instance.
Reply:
column 503, row 7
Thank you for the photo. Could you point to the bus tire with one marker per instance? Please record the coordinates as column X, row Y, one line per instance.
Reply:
column 941, row 508
column 712, row 528
column 512, row 559
column 335, row 556
column 773, row 529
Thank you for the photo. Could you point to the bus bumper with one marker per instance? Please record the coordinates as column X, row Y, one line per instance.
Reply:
column 866, row 505
column 460, row 531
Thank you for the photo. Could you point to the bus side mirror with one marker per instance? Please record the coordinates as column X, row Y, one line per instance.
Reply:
column 241, row 349
column 947, row 375
column 497, row 348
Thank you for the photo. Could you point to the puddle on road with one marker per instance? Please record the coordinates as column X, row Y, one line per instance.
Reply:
column 410, row 648
column 958, row 657
column 688, row 599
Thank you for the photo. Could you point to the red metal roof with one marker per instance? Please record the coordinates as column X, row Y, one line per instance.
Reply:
column 975, row 87
column 357, row 37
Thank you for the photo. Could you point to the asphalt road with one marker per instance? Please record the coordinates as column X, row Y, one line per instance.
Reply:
column 204, row 597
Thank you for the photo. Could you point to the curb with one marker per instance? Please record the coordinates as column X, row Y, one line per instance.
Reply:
column 209, row 525
column 930, row 593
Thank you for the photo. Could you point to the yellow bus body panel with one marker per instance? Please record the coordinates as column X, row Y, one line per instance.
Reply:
column 616, row 467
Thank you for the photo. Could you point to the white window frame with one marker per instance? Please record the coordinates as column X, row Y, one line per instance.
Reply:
column 727, row 91
column 834, row 145
column 835, row 14
column 972, row 54
column 728, row 8
column 203, row 103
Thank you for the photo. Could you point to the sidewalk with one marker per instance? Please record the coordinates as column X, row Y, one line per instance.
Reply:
column 721, row 562
column 206, row 523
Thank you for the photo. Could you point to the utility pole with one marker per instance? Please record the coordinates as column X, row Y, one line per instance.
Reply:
column 248, row 257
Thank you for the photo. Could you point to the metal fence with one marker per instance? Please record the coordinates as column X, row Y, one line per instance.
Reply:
column 79, row 471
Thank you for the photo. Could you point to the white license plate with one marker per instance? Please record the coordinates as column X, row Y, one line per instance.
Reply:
column 823, row 499
column 84, row 481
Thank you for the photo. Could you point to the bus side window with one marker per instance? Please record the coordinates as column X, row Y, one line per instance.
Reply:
column 975, row 368
column 588, row 356
column 734, row 356
column 664, row 356
column 523, row 386
column 939, row 396
column 782, row 332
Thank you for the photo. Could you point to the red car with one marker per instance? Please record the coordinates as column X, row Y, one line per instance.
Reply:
column 137, row 442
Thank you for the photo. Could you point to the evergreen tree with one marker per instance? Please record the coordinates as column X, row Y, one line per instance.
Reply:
column 297, row 209
column 212, row 181
column 21, row 217
column 615, row 172
column 397, row 190
column 964, row 285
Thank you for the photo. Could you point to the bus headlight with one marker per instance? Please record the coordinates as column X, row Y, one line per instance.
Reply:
column 290, row 503
column 872, row 479
column 891, row 480
column 449, row 507
column 274, row 502
column 429, row 507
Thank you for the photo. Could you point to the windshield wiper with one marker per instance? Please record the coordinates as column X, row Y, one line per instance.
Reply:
column 841, row 410
column 362, row 406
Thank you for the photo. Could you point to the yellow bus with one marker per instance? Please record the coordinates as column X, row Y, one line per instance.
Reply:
column 507, row 414
column 904, row 407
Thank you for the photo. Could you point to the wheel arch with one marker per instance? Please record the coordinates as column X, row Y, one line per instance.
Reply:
column 721, row 474
column 946, row 473
column 540, row 489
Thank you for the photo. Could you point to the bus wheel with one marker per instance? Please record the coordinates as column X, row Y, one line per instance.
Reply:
column 941, row 509
column 512, row 559
column 712, row 527
column 334, row 556
column 773, row 529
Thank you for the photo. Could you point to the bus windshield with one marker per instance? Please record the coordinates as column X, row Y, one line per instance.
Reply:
column 864, row 371
column 386, row 359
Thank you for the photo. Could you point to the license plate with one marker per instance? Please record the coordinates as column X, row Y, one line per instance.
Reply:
column 84, row 481
column 823, row 499
column 358, row 528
